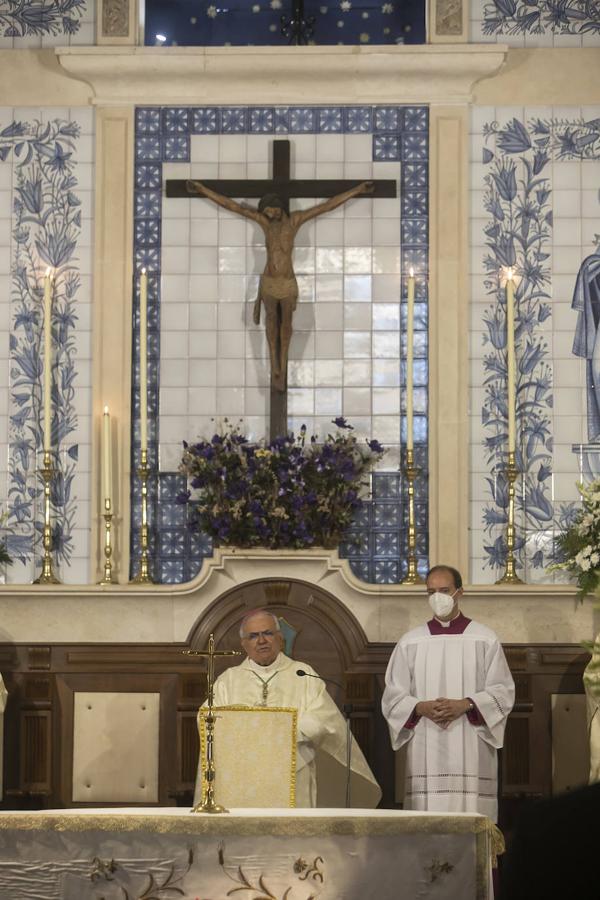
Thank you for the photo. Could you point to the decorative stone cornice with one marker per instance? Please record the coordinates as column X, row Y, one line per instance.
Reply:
column 253, row 75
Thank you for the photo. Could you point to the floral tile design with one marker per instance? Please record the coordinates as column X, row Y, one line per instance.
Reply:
column 376, row 544
column 46, row 225
column 30, row 19
column 519, row 158
column 522, row 17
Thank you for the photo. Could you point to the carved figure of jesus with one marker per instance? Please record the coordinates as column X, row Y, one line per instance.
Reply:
column 278, row 288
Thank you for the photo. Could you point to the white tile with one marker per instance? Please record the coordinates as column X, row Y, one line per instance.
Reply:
column 566, row 175
column 232, row 289
column 357, row 373
column 258, row 148
column 230, row 372
column 174, row 400
column 202, row 345
column 236, row 170
column 202, row 401
column 231, row 345
column 203, row 233
column 357, row 233
column 328, row 316
column 256, row 402
column 387, row 207
column 330, row 148
column 357, row 344
column 231, row 261
column 386, row 428
column 386, row 344
column 386, row 372
column 230, row 316
column 175, row 317
column 304, row 317
column 357, row 316
column 301, row 373
column 357, row 288
column 358, row 148
column 328, row 401
column 386, row 260
column 173, row 345
column 232, row 232
column 204, row 288
column 328, row 372
column 357, row 401
column 329, row 288
column 567, row 232
column 203, row 261
column 301, row 401
column 230, row 401
column 174, row 372
column 175, row 260
column 329, row 260
column 357, row 260
column 386, row 288
column 173, row 428
column 386, row 316
column 203, row 317
column 328, row 344
column 329, row 232
column 232, row 148
column 202, row 372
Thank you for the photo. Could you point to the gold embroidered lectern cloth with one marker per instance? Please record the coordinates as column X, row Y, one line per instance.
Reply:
column 293, row 854
column 254, row 754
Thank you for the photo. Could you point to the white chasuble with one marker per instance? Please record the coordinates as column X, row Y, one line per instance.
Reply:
column 322, row 744
column 451, row 769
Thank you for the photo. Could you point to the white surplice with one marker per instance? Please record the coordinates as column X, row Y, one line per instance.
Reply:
column 452, row 769
column 322, row 741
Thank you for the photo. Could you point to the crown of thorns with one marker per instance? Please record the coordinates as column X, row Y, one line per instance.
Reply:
column 273, row 201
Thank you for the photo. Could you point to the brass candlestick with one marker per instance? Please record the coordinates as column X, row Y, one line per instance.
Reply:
column 412, row 472
column 208, row 804
column 47, row 575
column 510, row 576
column 144, row 576
column 107, row 578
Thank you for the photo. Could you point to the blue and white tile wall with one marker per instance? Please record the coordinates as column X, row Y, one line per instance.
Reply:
column 536, row 207
column 46, row 178
column 345, row 357
column 536, row 23
column 52, row 23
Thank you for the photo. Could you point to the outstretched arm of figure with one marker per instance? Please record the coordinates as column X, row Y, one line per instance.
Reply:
column 196, row 187
column 302, row 216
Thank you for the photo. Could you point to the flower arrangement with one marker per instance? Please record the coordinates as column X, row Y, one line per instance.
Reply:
column 579, row 545
column 292, row 492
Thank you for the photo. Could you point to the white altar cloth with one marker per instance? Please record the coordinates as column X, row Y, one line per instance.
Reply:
column 290, row 854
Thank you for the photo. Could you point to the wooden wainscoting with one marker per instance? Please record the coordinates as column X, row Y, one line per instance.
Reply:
column 42, row 680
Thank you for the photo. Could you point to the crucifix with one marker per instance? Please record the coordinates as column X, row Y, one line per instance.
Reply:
column 278, row 289
column 209, row 804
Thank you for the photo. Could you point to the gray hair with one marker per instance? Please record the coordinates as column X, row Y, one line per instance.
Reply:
column 258, row 612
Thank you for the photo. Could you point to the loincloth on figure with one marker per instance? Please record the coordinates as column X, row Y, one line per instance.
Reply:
column 281, row 290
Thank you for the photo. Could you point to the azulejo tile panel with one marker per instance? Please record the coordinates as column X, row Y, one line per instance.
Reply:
column 518, row 20
column 37, row 24
column 524, row 161
column 46, row 223
column 398, row 135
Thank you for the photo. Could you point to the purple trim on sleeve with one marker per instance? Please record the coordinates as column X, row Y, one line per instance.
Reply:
column 474, row 716
column 412, row 719
column 456, row 626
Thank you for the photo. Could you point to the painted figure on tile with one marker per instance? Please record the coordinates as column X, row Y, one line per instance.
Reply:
column 278, row 288
column 586, row 301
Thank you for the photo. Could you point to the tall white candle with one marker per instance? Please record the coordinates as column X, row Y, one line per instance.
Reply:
column 511, row 397
column 48, row 286
column 144, row 360
column 106, row 460
column 410, row 327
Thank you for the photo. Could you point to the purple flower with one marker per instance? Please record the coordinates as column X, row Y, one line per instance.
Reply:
column 375, row 446
column 340, row 422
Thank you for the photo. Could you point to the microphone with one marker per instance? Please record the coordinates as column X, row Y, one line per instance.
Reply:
column 304, row 674
column 347, row 713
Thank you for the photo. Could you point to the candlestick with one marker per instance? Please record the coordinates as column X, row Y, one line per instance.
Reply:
column 511, row 397
column 510, row 573
column 106, row 461
column 48, row 285
column 47, row 575
column 412, row 472
column 144, row 360
column 410, row 324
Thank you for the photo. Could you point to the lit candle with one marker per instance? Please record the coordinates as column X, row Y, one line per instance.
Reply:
column 511, row 397
column 106, row 461
column 410, row 326
column 48, row 285
column 144, row 360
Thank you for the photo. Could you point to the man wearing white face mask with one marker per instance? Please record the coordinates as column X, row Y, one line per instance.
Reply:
column 448, row 695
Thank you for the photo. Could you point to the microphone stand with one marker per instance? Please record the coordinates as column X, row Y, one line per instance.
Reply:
column 347, row 711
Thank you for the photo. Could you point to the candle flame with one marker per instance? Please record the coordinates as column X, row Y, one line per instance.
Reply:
column 509, row 274
column 106, row 410
column 144, row 270
column 411, row 272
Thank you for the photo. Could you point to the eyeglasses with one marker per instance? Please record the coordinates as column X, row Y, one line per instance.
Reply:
column 255, row 635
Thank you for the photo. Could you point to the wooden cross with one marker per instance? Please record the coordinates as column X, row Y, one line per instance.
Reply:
column 286, row 188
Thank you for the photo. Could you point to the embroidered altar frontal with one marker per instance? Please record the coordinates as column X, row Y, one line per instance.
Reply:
column 332, row 854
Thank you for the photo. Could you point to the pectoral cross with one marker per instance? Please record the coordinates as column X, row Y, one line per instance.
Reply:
column 210, row 654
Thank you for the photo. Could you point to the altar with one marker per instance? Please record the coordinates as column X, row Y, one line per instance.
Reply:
column 333, row 854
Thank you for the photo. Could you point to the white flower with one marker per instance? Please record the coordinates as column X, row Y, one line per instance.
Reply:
column 583, row 562
column 595, row 558
column 211, row 12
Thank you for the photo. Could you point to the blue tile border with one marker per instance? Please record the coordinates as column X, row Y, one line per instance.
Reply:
column 376, row 548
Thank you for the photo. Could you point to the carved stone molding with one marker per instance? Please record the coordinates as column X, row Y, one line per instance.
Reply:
column 449, row 18
column 160, row 75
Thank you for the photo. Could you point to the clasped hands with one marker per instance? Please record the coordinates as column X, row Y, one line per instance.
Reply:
column 442, row 711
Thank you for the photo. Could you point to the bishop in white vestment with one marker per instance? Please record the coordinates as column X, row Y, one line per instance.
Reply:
column 448, row 695
column 269, row 678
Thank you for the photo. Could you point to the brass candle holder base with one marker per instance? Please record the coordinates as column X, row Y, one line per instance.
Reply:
column 47, row 575
column 412, row 472
column 144, row 576
column 510, row 575
column 107, row 577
